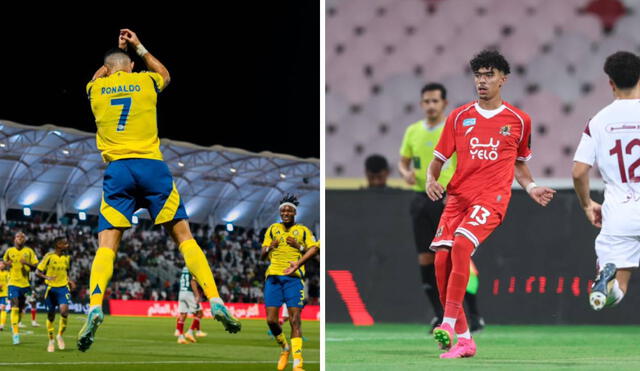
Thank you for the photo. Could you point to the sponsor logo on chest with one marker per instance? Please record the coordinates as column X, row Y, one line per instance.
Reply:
column 484, row 151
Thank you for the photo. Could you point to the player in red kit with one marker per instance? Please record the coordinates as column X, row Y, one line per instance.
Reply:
column 492, row 140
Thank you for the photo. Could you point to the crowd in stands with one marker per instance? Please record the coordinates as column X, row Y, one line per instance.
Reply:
column 148, row 263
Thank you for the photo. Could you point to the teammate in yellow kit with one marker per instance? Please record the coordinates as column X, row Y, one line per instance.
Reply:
column 124, row 106
column 22, row 260
column 53, row 268
column 285, row 242
column 4, row 292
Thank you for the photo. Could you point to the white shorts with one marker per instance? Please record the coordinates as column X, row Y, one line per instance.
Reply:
column 31, row 297
column 187, row 302
column 623, row 251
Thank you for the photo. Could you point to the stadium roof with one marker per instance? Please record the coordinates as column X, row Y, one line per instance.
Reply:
column 56, row 169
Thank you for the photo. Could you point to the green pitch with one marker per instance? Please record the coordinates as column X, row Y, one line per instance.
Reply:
column 407, row 347
column 132, row 343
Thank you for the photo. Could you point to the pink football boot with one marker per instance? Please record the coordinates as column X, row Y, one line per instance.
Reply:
column 463, row 348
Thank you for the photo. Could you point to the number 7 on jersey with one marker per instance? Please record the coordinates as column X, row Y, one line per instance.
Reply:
column 126, row 106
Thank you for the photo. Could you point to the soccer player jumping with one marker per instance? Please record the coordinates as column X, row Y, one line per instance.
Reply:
column 492, row 141
column 124, row 105
column 612, row 141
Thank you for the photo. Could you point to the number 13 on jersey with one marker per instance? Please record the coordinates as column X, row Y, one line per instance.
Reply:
column 126, row 107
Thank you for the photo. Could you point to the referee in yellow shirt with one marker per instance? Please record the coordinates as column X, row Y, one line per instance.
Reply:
column 124, row 106
column 416, row 153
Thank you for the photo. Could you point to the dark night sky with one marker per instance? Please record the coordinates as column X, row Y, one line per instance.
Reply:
column 244, row 74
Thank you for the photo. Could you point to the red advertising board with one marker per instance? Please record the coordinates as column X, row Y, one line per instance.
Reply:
column 150, row 308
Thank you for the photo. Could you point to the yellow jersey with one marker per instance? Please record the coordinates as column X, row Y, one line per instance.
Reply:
column 19, row 273
column 4, row 283
column 284, row 253
column 124, row 106
column 54, row 265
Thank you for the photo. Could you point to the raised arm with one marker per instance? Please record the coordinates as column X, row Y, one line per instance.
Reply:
column 150, row 61
column 101, row 72
column 541, row 195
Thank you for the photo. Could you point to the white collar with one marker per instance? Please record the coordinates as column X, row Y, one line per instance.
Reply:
column 486, row 113
column 428, row 128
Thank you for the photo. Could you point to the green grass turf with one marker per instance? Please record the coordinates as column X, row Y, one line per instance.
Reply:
column 408, row 347
column 133, row 343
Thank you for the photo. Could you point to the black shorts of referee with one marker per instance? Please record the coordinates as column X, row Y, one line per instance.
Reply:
column 425, row 215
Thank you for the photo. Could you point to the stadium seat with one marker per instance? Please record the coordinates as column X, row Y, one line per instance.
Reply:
column 556, row 54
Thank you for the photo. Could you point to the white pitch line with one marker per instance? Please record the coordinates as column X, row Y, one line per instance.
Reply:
column 386, row 338
column 139, row 363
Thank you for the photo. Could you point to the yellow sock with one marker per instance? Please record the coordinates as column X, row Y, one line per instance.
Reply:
column 50, row 329
column 199, row 266
column 15, row 319
column 3, row 317
column 101, row 271
column 62, row 326
column 296, row 346
column 282, row 340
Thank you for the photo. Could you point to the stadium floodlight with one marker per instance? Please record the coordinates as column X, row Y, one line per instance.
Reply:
column 232, row 216
column 26, row 211
column 82, row 215
column 229, row 227
column 134, row 220
column 180, row 163
column 66, row 152
column 283, row 175
column 233, row 170
column 2, row 145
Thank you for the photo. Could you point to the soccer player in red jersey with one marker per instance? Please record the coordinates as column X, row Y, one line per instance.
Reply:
column 492, row 140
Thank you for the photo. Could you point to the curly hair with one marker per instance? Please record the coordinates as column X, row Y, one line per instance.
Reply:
column 490, row 59
column 290, row 198
column 623, row 68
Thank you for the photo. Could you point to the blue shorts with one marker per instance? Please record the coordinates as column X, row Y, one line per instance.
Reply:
column 55, row 296
column 284, row 289
column 3, row 300
column 134, row 183
column 17, row 292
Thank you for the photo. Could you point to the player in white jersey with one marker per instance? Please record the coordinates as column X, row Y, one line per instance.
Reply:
column 189, row 303
column 611, row 140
